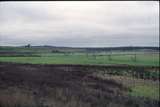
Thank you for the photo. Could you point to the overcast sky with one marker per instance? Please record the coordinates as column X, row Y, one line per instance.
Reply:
column 80, row 23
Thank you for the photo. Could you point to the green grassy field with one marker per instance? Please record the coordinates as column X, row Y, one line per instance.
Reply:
column 145, row 91
column 47, row 55
column 138, row 87
column 141, row 59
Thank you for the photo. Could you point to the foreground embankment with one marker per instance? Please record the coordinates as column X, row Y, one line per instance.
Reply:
column 35, row 85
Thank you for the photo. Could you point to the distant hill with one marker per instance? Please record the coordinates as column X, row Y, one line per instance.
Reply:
column 100, row 48
column 47, row 48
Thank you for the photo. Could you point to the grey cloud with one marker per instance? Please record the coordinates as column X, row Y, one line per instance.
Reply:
column 79, row 24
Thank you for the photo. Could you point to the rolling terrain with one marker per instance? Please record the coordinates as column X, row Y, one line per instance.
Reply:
column 46, row 76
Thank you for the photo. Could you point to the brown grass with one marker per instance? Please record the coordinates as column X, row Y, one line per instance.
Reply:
column 26, row 85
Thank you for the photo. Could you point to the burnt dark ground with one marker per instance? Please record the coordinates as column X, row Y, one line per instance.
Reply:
column 74, row 84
